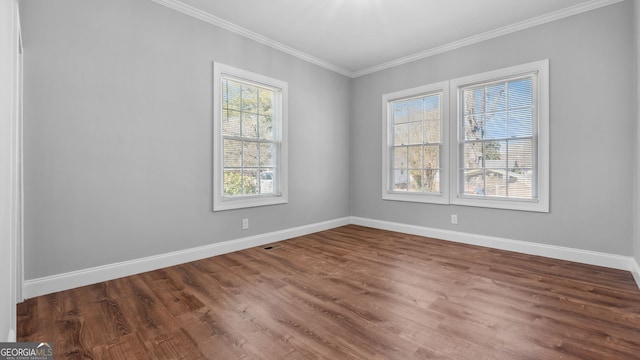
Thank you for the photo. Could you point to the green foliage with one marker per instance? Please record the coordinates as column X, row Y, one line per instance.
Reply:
column 492, row 150
column 233, row 184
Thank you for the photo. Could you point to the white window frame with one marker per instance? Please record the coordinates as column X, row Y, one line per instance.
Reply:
column 280, row 195
column 540, row 136
column 387, row 138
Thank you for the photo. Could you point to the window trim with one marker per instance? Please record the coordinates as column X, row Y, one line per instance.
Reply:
column 221, row 202
column 387, row 138
column 541, row 138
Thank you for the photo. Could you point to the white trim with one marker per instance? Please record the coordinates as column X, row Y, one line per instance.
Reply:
column 60, row 282
column 505, row 30
column 11, row 337
column 541, row 136
column 635, row 271
column 214, row 20
column 387, row 140
column 525, row 247
column 280, row 116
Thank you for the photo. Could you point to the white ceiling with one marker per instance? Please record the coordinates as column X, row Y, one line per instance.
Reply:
column 355, row 37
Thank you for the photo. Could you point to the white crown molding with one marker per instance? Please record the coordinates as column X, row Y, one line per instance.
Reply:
column 214, row 20
column 505, row 30
column 526, row 24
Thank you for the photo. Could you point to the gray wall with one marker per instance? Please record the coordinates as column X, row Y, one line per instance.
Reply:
column 591, row 118
column 118, row 122
column 636, row 214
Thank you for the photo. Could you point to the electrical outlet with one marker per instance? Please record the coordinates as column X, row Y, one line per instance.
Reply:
column 245, row 224
column 454, row 219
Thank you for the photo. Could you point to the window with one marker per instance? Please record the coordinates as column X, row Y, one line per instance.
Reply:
column 501, row 149
column 498, row 140
column 415, row 156
column 250, row 154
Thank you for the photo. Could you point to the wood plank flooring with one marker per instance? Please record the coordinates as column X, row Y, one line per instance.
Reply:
column 348, row 293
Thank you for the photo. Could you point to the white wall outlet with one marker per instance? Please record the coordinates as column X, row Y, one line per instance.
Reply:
column 454, row 219
column 245, row 224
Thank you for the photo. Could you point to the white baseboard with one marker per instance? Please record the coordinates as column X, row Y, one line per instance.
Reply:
column 70, row 280
column 60, row 282
column 550, row 251
column 11, row 337
column 635, row 271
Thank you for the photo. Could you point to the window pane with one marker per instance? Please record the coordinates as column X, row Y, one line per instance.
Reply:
column 432, row 131
column 400, row 180
column 520, row 93
column 265, row 127
column 267, row 177
column 416, row 109
column 233, row 182
column 231, row 94
column 415, row 133
column 266, row 154
column 521, row 183
column 496, row 182
column 250, row 154
column 432, row 107
column 400, row 157
column 415, row 157
column 230, row 123
column 495, row 154
column 232, row 153
column 473, row 127
column 249, row 126
column 520, row 153
column 250, row 182
column 415, row 181
column 401, row 134
column 400, row 112
column 473, row 182
column 521, row 123
column 431, row 183
column 432, row 157
column 265, row 98
column 496, row 126
column 473, row 154
column 249, row 99
column 496, row 97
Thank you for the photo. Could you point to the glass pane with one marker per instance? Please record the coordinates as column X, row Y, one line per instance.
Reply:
column 265, row 127
column 416, row 109
column 432, row 157
column 472, row 155
column 496, row 182
column 473, row 101
column 415, row 181
column 415, row 157
column 521, row 123
column 520, row 93
column 400, row 112
column 266, row 154
column 250, row 154
column 432, row 131
column 520, row 154
column 400, row 157
column 250, row 182
column 267, row 178
column 521, row 184
column 431, row 183
column 265, row 98
column 495, row 154
column 401, row 134
column 473, row 182
column 249, row 98
column 233, row 182
column 249, row 126
column 473, row 127
column 432, row 107
column 230, row 123
column 415, row 133
column 231, row 94
column 400, row 180
column 232, row 153
column 496, row 97
column 496, row 125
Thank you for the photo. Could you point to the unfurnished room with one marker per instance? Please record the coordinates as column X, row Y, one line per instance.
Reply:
column 339, row 179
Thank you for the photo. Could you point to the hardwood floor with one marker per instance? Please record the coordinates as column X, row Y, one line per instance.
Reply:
column 348, row 293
